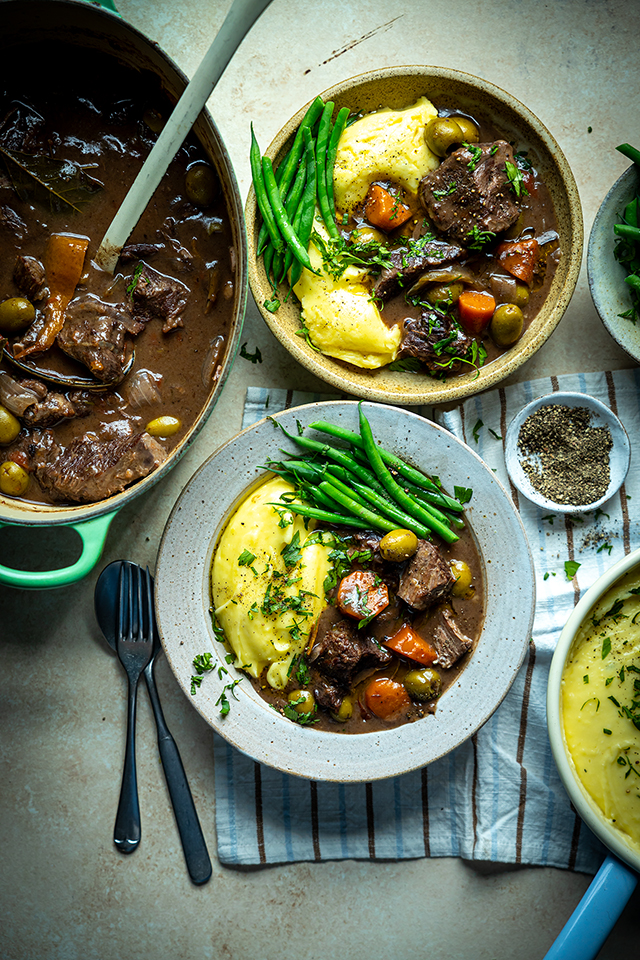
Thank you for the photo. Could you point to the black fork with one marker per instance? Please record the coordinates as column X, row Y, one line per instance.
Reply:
column 134, row 645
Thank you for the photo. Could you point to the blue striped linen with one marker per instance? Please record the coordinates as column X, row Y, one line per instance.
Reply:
column 497, row 797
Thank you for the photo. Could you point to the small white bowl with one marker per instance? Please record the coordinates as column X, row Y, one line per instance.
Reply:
column 601, row 415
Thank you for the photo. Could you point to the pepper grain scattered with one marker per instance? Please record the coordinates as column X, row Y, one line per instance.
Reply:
column 565, row 458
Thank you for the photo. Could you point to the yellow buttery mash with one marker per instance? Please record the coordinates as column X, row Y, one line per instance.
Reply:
column 598, row 686
column 385, row 144
column 251, row 583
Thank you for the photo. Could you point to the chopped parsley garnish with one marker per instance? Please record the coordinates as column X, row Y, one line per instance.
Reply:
column 255, row 357
column 571, row 567
column 463, row 494
column 515, row 177
column 291, row 552
column 479, row 238
column 606, row 647
column 441, row 194
column 476, row 153
column 479, row 424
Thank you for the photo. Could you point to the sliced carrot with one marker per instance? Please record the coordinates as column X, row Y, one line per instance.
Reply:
column 384, row 210
column 63, row 262
column 386, row 698
column 410, row 644
column 362, row 594
column 475, row 309
column 519, row 258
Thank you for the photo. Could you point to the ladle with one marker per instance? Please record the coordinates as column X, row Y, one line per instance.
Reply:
column 193, row 842
column 240, row 18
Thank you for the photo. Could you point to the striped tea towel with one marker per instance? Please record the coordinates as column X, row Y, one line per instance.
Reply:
column 498, row 796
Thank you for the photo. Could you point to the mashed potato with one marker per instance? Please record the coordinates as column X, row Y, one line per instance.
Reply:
column 265, row 603
column 385, row 144
column 598, row 684
column 342, row 320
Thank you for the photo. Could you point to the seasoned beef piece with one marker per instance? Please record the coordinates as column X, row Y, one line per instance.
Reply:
column 90, row 469
column 449, row 642
column 427, row 578
column 12, row 223
column 339, row 651
column 94, row 333
column 136, row 251
column 480, row 198
column 53, row 407
column 156, row 295
column 411, row 262
column 433, row 337
column 327, row 695
column 30, row 278
column 33, row 449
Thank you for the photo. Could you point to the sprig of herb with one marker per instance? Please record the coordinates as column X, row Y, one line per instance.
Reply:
column 515, row 177
column 255, row 357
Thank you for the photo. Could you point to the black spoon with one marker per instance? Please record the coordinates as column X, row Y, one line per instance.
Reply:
column 193, row 842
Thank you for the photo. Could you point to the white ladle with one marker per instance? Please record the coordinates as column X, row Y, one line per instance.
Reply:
column 239, row 20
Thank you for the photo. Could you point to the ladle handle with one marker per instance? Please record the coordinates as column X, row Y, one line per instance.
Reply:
column 240, row 18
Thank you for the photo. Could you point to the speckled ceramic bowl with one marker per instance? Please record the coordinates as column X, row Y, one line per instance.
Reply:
column 601, row 415
column 398, row 87
column 609, row 292
column 182, row 600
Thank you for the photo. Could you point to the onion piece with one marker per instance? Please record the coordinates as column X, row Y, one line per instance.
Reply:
column 211, row 360
column 14, row 396
column 144, row 388
column 449, row 274
column 503, row 287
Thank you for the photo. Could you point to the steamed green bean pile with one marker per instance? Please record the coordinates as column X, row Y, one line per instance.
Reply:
column 361, row 485
column 627, row 247
column 287, row 196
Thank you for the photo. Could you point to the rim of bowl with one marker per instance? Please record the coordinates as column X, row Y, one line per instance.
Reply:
column 581, row 799
column 182, row 604
column 397, row 387
column 609, row 292
column 620, row 455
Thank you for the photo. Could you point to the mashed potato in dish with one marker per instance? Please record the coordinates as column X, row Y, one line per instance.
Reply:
column 600, row 684
column 267, row 583
column 342, row 320
column 385, row 144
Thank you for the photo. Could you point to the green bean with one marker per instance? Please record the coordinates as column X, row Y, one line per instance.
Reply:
column 355, row 508
column 402, row 520
column 321, row 170
column 627, row 231
column 405, row 469
column 293, row 206
column 631, row 152
column 332, row 150
column 307, row 204
column 287, row 167
column 394, row 489
column 282, row 220
column 261, row 194
column 304, row 510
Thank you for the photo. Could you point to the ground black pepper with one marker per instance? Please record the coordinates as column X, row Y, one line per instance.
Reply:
column 565, row 458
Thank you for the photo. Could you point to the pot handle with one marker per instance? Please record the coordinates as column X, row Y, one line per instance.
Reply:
column 592, row 921
column 93, row 534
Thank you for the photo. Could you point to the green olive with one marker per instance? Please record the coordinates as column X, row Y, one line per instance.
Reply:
column 16, row 314
column 424, row 684
column 367, row 235
column 9, row 426
column 163, row 426
column 302, row 701
column 470, row 133
column 444, row 292
column 463, row 575
column 506, row 324
column 521, row 298
column 201, row 185
column 398, row 545
column 345, row 711
column 13, row 479
column 441, row 134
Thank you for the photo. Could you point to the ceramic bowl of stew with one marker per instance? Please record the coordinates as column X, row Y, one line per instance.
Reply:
column 397, row 367
column 189, row 246
column 495, row 614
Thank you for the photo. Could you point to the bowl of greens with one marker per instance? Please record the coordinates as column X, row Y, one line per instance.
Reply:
column 613, row 257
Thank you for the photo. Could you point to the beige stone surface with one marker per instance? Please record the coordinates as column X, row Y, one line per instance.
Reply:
column 65, row 894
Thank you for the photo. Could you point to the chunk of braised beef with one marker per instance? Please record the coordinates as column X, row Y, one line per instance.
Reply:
column 12, row 224
column 449, row 641
column 33, row 449
column 94, row 334
column 471, row 193
column 52, row 407
column 157, row 296
column 410, row 262
column 426, row 578
column 340, row 651
column 327, row 695
column 433, row 337
column 90, row 469
column 139, row 251
column 30, row 278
